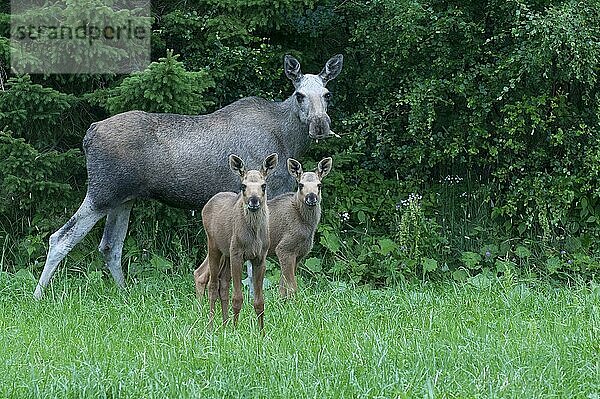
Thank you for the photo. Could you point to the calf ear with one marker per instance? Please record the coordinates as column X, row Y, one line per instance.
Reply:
column 332, row 68
column 237, row 165
column 294, row 168
column 269, row 164
column 291, row 66
column 324, row 167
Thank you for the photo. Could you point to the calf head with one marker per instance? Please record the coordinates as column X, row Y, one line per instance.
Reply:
column 309, row 183
column 254, row 183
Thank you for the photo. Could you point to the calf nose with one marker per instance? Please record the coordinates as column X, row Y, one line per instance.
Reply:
column 254, row 203
column 311, row 199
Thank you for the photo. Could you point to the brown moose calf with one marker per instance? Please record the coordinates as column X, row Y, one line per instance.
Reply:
column 237, row 229
column 293, row 221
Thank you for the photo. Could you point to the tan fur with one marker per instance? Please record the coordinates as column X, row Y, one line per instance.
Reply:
column 236, row 234
column 292, row 226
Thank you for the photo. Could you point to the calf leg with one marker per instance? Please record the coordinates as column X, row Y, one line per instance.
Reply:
column 214, row 258
column 63, row 240
column 258, row 266
column 238, row 298
column 250, row 283
column 201, row 276
column 224, row 281
column 287, row 281
column 111, row 245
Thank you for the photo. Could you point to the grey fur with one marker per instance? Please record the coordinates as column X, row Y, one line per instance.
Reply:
column 181, row 159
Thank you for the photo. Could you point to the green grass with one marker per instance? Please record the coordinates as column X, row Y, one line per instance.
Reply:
column 87, row 339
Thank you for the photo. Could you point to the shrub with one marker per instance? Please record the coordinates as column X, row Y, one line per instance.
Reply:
column 165, row 86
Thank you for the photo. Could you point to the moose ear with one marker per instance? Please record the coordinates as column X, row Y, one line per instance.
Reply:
column 237, row 165
column 332, row 68
column 269, row 164
column 294, row 168
column 324, row 167
column 291, row 66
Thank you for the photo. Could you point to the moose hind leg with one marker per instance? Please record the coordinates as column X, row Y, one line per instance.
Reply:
column 201, row 276
column 65, row 238
column 235, row 263
column 214, row 259
column 249, row 279
column 111, row 245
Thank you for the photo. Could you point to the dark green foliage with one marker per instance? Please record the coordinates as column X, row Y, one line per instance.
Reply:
column 165, row 86
column 34, row 112
column 470, row 131
column 71, row 55
column 36, row 195
column 502, row 96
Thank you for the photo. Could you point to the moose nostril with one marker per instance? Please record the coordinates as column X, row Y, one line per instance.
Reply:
column 311, row 199
column 319, row 128
column 253, row 203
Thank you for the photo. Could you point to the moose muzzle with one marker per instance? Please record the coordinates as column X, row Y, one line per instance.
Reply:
column 311, row 199
column 254, row 204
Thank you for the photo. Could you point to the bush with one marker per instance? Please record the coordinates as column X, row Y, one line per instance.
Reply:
column 165, row 86
column 36, row 193
column 36, row 113
column 488, row 111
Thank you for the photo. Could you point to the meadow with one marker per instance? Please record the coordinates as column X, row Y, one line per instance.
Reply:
column 509, row 339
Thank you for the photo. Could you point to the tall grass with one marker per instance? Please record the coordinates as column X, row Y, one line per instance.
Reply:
column 87, row 339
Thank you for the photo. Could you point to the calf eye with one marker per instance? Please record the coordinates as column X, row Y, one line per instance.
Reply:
column 319, row 185
column 243, row 187
column 264, row 187
column 328, row 96
column 300, row 186
column 299, row 97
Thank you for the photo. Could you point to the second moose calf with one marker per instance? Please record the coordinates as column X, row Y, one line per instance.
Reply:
column 237, row 229
column 293, row 221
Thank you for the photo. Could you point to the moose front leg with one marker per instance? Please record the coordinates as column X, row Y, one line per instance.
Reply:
column 224, row 282
column 287, row 281
column 236, row 263
column 259, row 298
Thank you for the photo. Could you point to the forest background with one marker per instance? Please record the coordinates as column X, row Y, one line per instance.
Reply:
column 469, row 146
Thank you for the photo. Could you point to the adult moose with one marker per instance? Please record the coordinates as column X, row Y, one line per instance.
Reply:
column 181, row 160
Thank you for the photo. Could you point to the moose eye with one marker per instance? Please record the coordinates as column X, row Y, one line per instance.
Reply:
column 300, row 186
column 299, row 97
column 328, row 96
column 264, row 187
column 243, row 187
column 319, row 185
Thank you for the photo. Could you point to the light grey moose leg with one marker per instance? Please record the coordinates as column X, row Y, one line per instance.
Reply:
column 111, row 245
column 250, row 281
column 249, row 278
column 63, row 240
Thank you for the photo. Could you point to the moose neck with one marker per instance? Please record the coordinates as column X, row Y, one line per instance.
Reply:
column 310, row 215
column 294, row 132
column 254, row 221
